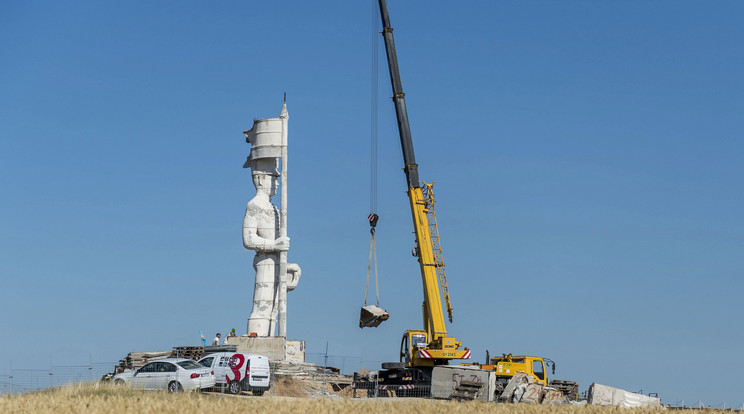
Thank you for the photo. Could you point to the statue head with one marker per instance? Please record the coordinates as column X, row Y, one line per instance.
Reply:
column 265, row 172
column 265, row 182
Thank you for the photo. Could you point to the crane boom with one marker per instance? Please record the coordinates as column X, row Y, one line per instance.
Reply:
column 399, row 98
column 438, row 348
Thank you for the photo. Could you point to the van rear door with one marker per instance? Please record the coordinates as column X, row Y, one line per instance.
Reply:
column 259, row 372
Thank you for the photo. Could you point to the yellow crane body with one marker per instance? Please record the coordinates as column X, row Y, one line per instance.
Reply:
column 436, row 347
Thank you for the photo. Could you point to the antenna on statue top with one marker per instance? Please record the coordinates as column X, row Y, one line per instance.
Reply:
column 285, row 97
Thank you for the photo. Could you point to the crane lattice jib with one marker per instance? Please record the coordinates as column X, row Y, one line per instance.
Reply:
column 428, row 191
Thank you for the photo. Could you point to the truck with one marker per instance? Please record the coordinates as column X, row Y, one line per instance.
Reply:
column 535, row 367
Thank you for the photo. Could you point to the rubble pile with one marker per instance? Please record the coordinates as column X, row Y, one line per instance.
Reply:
column 311, row 373
column 302, row 388
column 520, row 390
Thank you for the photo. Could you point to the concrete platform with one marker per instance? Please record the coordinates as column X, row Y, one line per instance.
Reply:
column 276, row 348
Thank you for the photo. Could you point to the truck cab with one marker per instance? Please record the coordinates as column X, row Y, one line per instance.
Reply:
column 506, row 366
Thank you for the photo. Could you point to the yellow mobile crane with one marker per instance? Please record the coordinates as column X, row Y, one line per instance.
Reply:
column 420, row 350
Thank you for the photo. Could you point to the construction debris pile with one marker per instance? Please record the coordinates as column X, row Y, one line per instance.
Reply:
column 310, row 372
column 520, row 389
column 467, row 383
column 305, row 387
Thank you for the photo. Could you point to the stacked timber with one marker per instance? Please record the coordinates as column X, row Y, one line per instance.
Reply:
column 569, row 388
column 135, row 360
column 198, row 352
column 188, row 352
column 219, row 348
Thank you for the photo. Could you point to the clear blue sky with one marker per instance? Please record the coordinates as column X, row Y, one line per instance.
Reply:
column 587, row 155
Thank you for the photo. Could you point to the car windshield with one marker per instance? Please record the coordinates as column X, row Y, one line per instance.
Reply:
column 189, row 364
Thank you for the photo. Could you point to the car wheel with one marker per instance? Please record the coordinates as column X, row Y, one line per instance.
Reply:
column 234, row 387
column 119, row 382
column 258, row 393
column 174, row 386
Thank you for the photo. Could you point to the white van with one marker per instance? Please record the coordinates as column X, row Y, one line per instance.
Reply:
column 239, row 372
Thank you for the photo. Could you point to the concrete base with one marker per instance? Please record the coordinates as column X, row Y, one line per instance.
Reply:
column 295, row 352
column 276, row 348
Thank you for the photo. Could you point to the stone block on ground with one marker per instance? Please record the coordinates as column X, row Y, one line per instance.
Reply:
column 532, row 394
column 446, row 379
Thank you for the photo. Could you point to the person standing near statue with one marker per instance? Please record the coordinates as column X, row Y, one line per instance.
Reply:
column 264, row 227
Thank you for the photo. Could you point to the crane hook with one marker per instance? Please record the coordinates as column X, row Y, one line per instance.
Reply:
column 373, row 222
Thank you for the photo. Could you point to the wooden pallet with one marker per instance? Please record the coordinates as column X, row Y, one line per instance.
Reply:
column 189, row 352
column 569, row 388
column 135, row 360
column 198, row 352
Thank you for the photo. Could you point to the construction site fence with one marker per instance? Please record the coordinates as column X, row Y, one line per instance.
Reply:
column 347, row 365
column 22, row 380
column 375, row 390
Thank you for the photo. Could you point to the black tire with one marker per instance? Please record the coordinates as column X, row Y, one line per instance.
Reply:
column 119, row 382
column 234, row 387
column 393, row 365
column 174, row 386
column 258, row 393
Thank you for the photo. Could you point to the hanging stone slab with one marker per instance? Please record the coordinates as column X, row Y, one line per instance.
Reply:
column 372, row 316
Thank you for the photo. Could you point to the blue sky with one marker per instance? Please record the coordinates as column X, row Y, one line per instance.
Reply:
column 587, row 156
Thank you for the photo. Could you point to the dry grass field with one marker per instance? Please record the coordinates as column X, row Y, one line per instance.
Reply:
column 106, row 399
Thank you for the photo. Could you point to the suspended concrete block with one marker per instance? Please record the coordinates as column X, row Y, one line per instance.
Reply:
column 372, row 316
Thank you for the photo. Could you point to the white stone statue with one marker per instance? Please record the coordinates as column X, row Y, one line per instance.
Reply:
column 264, row 227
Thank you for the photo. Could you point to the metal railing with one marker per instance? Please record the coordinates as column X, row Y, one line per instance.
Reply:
column 347, row 365
column 21, row 380
column 368, row 386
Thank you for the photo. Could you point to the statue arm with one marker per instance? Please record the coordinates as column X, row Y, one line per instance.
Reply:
column 293, row 276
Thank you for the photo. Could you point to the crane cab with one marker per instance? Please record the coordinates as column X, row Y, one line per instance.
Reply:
column 418, row 350
column 413, row 340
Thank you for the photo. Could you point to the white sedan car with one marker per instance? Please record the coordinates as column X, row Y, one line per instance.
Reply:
column 172, row 374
